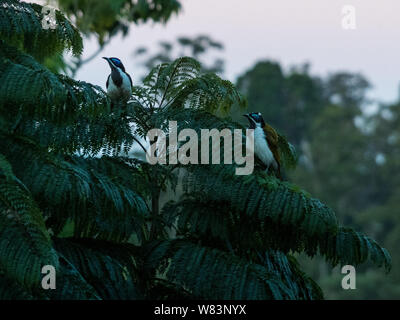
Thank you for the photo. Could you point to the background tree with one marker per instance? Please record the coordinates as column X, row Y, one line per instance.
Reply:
column 288, row 102
column 106, row 19
column 197, row 47
column 380, row 214
column 346, row 157
column 70, row 197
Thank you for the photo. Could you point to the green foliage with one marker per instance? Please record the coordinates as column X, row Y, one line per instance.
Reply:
column 109, row 269
column 71, row 285
column 10, row 290
column 25, row 82
column 22, row 225
column 71, row 195
column 195, row 47
column 287, row 100
column 21, row 24
column 220, row 207
column 108, row 17
column 346, row 158
column 215, row 274
column 171, row 88
column 288, row 154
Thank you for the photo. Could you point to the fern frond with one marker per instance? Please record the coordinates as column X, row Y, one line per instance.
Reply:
column 208, row 92
column 287, row 152
column 109, row 268
column 181, row 85
column 287, row 267
column 213, row 274
column 91, row 136
column 260, row 214
column 105, row 189
column 12, row 290
column 261, row 196
column 71, row 285
column 351, row 247
column 167, row 77
column 38, row 92
column 25, row 245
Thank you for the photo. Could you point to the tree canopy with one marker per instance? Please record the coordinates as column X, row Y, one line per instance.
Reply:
column 71, row 197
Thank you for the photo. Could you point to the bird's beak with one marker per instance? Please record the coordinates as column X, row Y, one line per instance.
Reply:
column 109, row 63
column 246, row 115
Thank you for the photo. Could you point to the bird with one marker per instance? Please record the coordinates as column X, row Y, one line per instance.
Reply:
column 119, row 82
column 265, row 142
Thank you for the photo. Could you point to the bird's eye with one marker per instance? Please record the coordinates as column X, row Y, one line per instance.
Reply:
column 116, row 61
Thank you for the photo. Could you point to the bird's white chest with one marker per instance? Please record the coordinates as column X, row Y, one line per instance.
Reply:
column 261, row 148
column 123, row 91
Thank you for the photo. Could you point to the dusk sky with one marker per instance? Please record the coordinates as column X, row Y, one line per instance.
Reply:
column 291, row 32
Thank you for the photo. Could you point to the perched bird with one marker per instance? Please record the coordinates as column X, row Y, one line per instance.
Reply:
column 265, row 142
column 119, row 83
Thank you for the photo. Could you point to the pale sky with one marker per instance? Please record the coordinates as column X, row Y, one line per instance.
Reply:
column 289, row 31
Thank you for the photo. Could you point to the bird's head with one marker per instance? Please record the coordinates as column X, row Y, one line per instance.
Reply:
column 115, row 63
column 255, row 119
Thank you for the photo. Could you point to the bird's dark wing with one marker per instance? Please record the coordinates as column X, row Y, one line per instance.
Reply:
column 130, row 79
column 108, row 80
column 272, row 140
column 271, row 134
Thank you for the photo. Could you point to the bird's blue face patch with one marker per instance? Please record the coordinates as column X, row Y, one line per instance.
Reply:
column 256, row 116
column 116, row 61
